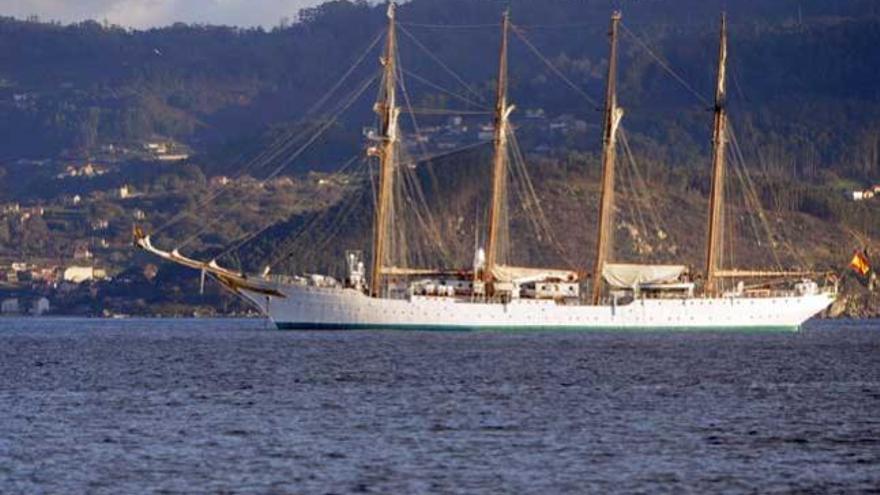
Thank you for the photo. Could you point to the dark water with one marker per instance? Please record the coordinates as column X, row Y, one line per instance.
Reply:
column 226, row 406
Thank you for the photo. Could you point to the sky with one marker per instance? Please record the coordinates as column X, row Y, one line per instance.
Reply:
column 151, row 13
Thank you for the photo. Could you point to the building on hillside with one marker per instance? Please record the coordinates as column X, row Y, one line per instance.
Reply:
column 455, row 124
column 861, row 195
column 33, row 211
column 166, row 152
column 24, row 101
column 173, row 157
column 156, row 148
column 88, row 170
column 219, row 181
column 248, row 182
column 486, row 132
column 10, row 306
column 536, row 113
column 30, row 162
column 281, row 182
column 79, row 274
column 559, row 125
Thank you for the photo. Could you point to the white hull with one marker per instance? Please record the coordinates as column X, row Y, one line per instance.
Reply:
column 307, row 307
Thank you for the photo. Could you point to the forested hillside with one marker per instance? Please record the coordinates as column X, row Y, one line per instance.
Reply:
column 805, row 79
column 102, row 127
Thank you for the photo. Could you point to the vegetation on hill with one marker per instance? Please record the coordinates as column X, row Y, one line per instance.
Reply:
column 805, row 110
column 804, row 86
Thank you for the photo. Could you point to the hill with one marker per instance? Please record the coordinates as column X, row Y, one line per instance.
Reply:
column 805, row 76
column 235, row 105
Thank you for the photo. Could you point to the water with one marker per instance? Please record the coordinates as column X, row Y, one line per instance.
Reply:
column 226, row 406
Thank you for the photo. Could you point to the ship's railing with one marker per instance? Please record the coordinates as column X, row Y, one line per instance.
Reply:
column 752, row 294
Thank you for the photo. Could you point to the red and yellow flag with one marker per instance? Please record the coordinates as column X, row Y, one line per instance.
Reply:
column 860, row 264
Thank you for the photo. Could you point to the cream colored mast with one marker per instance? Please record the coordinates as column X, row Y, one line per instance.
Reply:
column 499, row 167
column 385, row 151
column 613, row 114
column 719, row 143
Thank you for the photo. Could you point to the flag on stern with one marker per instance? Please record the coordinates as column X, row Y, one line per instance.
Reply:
column 861, row 266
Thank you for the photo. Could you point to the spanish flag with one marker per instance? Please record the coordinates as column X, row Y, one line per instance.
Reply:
column 861, row 266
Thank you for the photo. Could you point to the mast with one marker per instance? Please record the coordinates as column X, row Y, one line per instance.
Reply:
column 719, row 142
column 499, row 167
column 385, row 151
column 613, row 114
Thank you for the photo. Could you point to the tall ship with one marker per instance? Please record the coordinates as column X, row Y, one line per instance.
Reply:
column 492, row 294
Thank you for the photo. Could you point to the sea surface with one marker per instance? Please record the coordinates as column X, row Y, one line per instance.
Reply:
column 229, row 406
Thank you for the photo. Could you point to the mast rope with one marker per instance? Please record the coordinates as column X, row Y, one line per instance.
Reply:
column 412, row 199
column 442, row 65
column 254, row 164
column 567, row 25
column 521, row 35
column 799, row 256
column 447, row 26
column 248, row 237
column 448, row 92
column 425, row 217
column 444, row 154
column 531, row 201
column 260, row 159
column 318, row 104
column 728, row 254
column 444, row 111
column 747, row 200
column 641, row 185
column 632, row 204
column 571, row 25
column 665, row 66
column 319, row 244
column 288, row 249
column 753, row 205
column 287, row 161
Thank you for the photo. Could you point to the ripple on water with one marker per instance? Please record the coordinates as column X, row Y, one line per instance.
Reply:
column 223, row 405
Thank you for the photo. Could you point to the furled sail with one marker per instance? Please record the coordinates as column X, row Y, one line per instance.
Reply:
column 623, row 275
column 520, row 274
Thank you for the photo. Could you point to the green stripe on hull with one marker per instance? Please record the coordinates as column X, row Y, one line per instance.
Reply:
column 501, row 328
